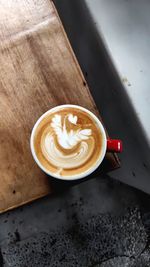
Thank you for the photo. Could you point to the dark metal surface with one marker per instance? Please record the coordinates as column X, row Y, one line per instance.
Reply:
column 108, row 91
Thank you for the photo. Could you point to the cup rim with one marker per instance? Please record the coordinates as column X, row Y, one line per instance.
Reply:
column 76, row 176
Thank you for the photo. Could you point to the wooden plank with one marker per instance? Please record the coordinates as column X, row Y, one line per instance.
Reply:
column 38, row 71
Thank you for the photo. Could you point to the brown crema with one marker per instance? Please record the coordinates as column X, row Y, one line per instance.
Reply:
column 68, row 142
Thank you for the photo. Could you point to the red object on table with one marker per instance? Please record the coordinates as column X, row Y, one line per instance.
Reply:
column 114, row 145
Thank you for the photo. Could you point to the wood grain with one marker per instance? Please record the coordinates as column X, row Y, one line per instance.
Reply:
column 38, row 71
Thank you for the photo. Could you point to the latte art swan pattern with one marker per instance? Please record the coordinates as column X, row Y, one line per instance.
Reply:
column 68, row 142
column 65, row 143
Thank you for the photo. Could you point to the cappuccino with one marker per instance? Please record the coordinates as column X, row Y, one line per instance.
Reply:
column 68, row 142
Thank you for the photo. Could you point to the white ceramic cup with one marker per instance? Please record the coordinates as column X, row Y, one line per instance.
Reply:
column 103, row 148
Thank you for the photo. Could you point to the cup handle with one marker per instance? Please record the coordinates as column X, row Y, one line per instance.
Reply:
column 114, row 145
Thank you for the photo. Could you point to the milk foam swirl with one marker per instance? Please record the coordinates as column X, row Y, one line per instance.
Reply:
column 67, row 144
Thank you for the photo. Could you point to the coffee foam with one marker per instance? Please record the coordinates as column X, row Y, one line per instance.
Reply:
column 67, row 142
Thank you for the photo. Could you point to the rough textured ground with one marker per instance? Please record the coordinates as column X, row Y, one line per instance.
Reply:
column 99, row 223
column 104, row 240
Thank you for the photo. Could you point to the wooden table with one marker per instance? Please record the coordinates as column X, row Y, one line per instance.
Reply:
column 38, row 71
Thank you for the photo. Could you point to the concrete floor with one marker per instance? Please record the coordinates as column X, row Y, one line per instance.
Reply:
column 101, row 196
